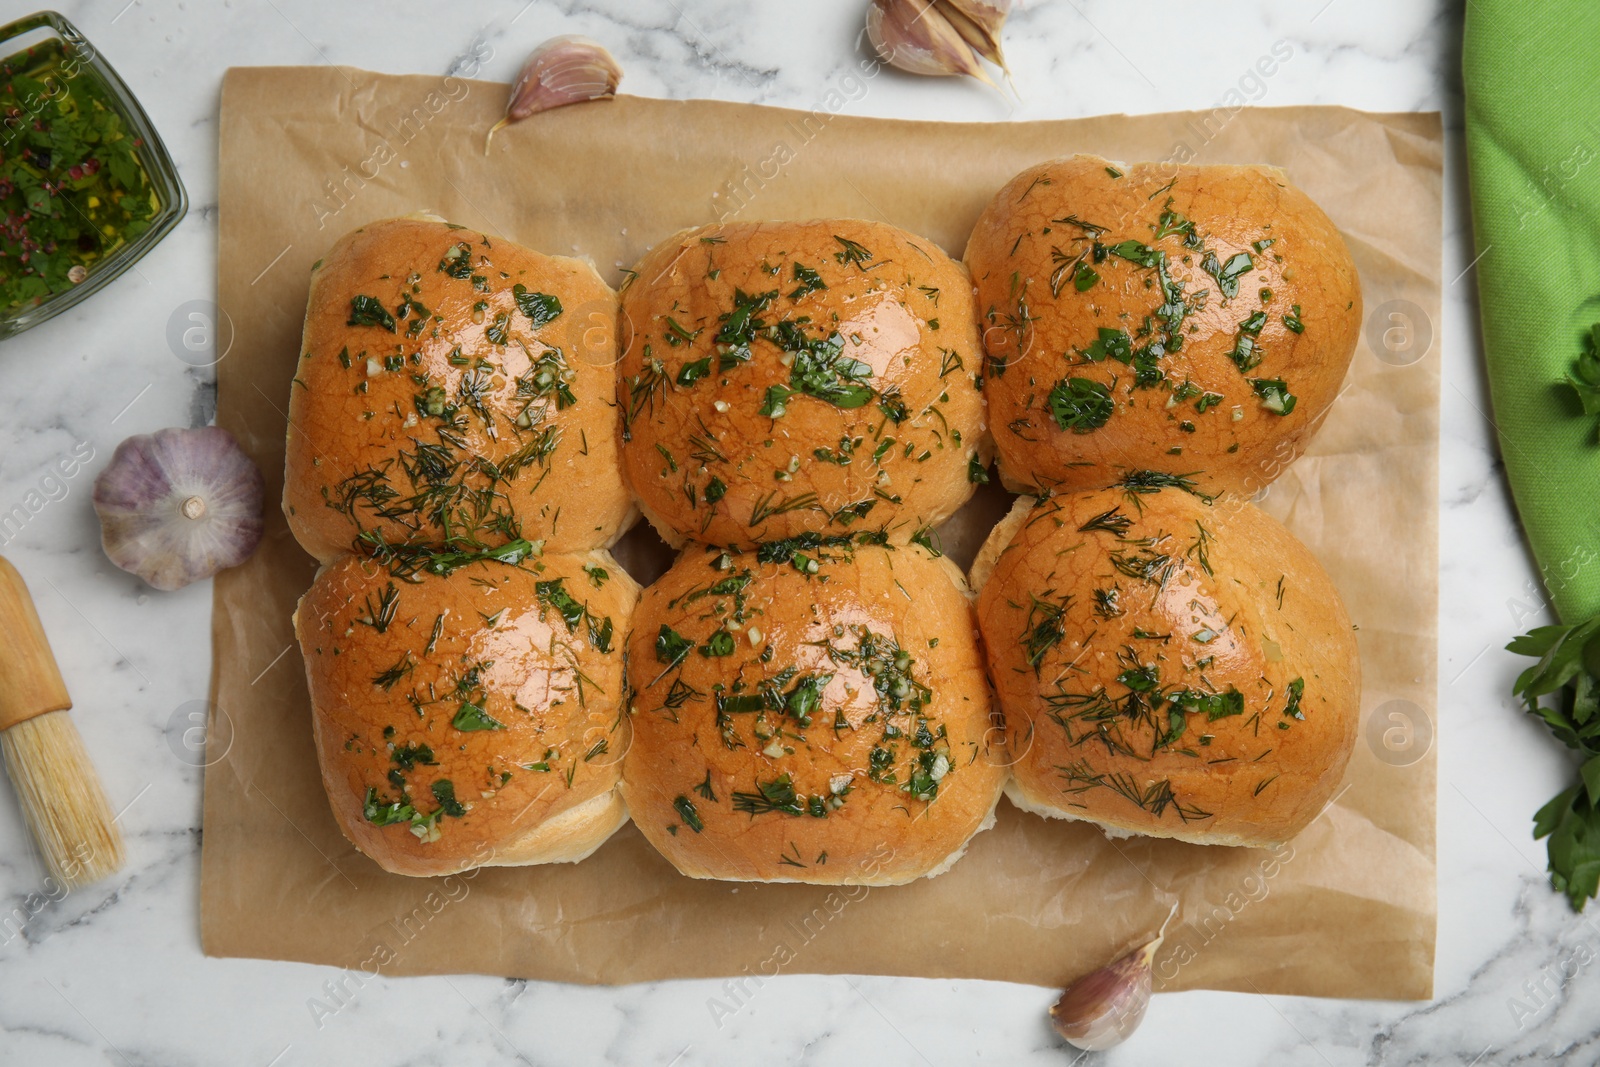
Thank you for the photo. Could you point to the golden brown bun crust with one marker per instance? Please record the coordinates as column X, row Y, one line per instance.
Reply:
column 559, row 475
column 900, row 307
column 1083, row 728
column 362, row 680
column 1015, row 255
column 879, row 834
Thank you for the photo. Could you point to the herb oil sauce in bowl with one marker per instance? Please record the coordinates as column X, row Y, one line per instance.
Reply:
column 85, row 186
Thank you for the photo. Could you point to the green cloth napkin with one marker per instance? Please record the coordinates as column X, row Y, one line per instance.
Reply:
column 1532, row 75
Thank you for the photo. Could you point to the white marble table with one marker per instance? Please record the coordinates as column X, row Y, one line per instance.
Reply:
column 114, row 973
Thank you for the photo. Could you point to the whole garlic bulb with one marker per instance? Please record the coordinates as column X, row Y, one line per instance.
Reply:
column 179, row 505
column 913, row 36
column 939, row 37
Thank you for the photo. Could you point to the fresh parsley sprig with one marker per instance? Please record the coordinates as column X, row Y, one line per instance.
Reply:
column 1569, row 672
column 1585, row 379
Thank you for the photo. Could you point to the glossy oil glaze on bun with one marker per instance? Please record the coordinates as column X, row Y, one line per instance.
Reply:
column 452, row 387
column 1168, row 665
column 1193, row 320
column 470, row 719
column 779, row 377
column 813, row 711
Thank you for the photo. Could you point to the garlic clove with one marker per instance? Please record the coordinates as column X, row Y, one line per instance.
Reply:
column 179, row 505
column 564, row 70
column 990, row 14
column 1104, row 1007
column 913, row 36
column 978, row 22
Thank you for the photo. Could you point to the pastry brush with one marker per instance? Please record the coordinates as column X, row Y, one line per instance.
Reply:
column 62, row 800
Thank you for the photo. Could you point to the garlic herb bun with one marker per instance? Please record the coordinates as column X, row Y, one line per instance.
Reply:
column 813, row 711
column 473, row 718
column 779, row 377
column 453, row 387
column 1193, row 320
column 1167, row 665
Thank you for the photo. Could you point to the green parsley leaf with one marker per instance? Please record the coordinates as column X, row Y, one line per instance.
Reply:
column 1585, row 379
column 1141, row 679
column 739, row 326
column 1173, row 223
column 1274, row 394
column 686, row 811
column 1215, row 705
column 821, row 370
column 382, row 812
column 719, row 643
column 541, row 308
column 692, row 372
column 1227, row 274
column 367, row 311
column 1291, row 709
column 810, row 281
column 806, row 697
column 1080, row 404
column 408, row 756
column 671, row 646
column 457, row 261
column 444, row 791
column 1568, row 669
column 470, row 717
column 1572, row 823
column 1113, row 343
column 1246, row 354
column 775, row 405
column 1136, row 252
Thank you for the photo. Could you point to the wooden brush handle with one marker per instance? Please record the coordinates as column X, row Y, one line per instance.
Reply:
column 30, row 681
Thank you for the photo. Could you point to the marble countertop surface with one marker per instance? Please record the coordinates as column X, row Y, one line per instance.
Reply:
column 114, row 973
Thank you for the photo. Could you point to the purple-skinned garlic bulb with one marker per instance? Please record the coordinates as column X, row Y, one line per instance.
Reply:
column 179, row 505
column 919, row 37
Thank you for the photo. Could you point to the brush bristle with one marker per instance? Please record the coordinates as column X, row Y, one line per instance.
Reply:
column 62, row 800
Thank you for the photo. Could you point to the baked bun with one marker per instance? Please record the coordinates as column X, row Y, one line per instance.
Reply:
column 779, row 377
column 453, row 387
column 1191, row 320
column 470, row 719
column 799, row 717
column 1169, row 667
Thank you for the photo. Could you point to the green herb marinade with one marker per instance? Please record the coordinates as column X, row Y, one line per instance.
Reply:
column 73, row 188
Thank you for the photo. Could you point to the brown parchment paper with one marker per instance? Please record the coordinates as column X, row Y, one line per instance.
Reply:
column 1347, row 910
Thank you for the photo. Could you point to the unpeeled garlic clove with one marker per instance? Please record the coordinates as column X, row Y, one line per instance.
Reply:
column 1104, row 1007
column 564, row 70
column 179, row 505
column 990, row 14
column 913, row 36
column 979, row 23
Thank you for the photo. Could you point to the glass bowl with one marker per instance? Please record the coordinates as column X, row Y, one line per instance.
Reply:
column 61, row 240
